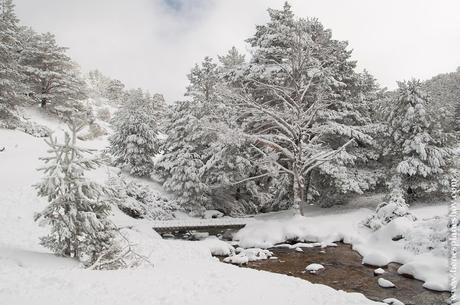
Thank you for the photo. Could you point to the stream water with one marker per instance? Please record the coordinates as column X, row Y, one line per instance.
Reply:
column 344, row 270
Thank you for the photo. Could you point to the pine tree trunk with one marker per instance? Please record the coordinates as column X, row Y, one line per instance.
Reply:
column 298, row 190
column 307, row 187
column 43, row 102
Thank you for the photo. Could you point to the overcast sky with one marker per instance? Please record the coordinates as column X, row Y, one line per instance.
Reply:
column 153, row 43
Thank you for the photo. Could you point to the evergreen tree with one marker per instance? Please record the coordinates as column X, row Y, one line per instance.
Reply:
column 134, row 142
column 115, row 91
column 187, row 147
column 103, row 86
column 358, row 169
column 300, row 102
column 444, row 93
column 418, row 147
column 78, row 208
column 203, row 80
column 456, row 119
column 182, row 160
column 97, row 83
column 50, row 74
column 232, row 59
column 11, row 88
column 197, row 158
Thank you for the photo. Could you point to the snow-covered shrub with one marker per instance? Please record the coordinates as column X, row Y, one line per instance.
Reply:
column 94, row 131
column 11, row 119
column 34, row 129
column 138, row 201
column 393, row 207
column 103, row 114
column 428, row 235
column 78, row 208
column 8, row 118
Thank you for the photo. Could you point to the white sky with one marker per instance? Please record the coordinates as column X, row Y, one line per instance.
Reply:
column 153, row 43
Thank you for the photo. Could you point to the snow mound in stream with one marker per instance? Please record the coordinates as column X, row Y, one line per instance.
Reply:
column 248, row 255
column 313, row 268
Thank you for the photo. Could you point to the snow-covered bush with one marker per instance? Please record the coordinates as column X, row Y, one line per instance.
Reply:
column 34, row 129
column 103, row 114
column 138, row 201
column 428, row 235
column 9, row 119
column 78, row 208
column 94, row 131
column 393, row 207
column 12, row 119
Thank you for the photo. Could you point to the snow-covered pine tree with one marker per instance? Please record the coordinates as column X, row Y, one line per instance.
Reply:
column 77, row 208
column 11, row 88
column 203, row 79
column 181, row 163
column 358, row 169
column 203, row 164
column 100, row 85
column 418, row 147
column 444, row 92
column 232, row 59
column 115, row 91
column 456, row 120
column 134, row 142
column 97, row 83
column 298, row 100
column 53, row 79
column 187, row 147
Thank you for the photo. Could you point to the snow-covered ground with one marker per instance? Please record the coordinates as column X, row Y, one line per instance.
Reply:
column 183, row 272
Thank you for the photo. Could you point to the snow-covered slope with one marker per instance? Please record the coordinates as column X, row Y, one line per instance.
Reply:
column 183, row 272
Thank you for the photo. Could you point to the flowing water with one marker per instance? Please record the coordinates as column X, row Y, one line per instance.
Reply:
column 344, row 271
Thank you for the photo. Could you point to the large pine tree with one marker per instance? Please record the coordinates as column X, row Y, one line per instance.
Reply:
column 418, row 147
column 301, row 101
column 202, row 163
column 52, row 77
column 186, row 150
column 134, row 142
column 182, row 162
column 11, row 88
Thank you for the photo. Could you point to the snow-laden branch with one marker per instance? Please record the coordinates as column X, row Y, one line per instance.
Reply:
column 323, row 157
